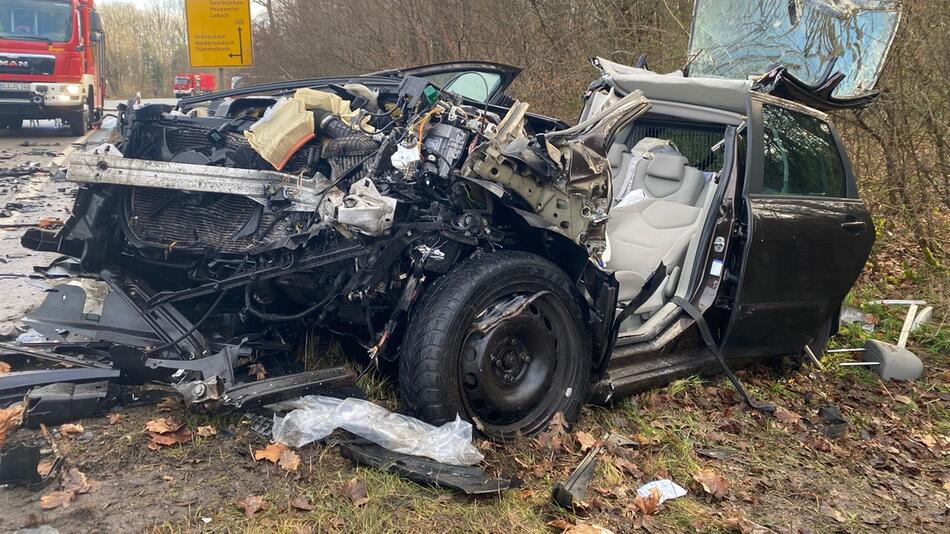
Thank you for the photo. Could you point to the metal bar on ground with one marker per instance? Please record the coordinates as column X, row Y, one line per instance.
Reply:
column 813, row 358
column 908, row 322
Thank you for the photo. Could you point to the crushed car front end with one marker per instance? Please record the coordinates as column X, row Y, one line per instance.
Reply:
column 223, row 238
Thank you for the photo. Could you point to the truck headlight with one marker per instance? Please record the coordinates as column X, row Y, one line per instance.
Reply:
column 73, row 89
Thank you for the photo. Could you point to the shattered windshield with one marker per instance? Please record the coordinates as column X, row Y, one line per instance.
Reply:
column 36, row 19
column 740, row 38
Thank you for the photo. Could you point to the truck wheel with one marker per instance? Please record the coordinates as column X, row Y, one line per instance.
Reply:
column 511, row 378
column 79, row 122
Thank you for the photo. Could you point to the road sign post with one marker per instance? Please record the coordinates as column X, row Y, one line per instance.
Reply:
column 219, row 33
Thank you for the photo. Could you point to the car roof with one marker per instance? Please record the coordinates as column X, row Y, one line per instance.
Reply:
column 716, row 93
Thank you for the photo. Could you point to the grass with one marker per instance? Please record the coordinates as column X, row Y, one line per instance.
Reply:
column 779, row 475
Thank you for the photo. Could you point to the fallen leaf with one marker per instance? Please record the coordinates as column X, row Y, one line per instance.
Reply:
column 903, row 399
column 168, row 478
column 587, row 528
column 558, row 423
column 301, row 503
column 650, row 504
column 714, row 483
column 71, row 429
column 833, row 513
column 56, row 499
column 206, row 431
column 252, row 504
column 170, row 403
column 288, row 460
column 786, row 416
column 179, row 437
column 271, row 453
column 43, row 468
column 4, row 367
column 744, row 526
column 115, row 418
column 77, row 482
column 163, row 426
column 257, row 370
column 560, row 524
column 10, row 418
column 628, row 467
column 716, row 453
column 818, row 443
column 929, row 441
column 586, row 441
column 355, row 491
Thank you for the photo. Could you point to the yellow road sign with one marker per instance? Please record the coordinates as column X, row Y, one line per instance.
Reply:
column 219, row 33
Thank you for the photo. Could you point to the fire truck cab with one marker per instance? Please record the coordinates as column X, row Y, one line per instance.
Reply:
column 51, row 62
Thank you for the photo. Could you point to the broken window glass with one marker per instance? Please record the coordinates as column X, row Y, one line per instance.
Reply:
column 742, row 38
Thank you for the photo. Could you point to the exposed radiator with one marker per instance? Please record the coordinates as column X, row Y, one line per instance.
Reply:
column 209, row 222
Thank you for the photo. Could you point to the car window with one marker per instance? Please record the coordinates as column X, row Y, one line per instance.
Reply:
column 801, row 156
column 695, row 142
column 477, row 86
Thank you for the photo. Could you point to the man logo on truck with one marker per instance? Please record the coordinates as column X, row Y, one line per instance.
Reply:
column 14, row 63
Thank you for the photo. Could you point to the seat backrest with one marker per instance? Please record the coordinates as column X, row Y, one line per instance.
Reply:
column 669, row 177
column 629, row 165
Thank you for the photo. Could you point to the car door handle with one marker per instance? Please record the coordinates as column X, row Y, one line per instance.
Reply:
column 855, row 227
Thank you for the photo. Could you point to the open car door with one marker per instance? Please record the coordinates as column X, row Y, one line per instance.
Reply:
column 827, row 54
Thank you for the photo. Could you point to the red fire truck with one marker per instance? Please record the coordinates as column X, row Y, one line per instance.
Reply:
column 194, row 84
column 51, row 62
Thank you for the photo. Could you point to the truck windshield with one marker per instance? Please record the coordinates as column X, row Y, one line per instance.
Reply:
column 181, row 80
column 46, row 20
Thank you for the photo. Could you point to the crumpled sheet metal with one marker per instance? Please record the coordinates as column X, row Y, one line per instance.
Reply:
column 315, row 418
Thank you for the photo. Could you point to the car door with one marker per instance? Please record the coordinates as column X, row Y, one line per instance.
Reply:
column 808, row 235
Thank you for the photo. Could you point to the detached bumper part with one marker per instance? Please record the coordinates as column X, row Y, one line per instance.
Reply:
column 468, row 480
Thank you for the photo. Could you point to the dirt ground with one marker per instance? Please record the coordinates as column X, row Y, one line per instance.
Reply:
column 889, row 470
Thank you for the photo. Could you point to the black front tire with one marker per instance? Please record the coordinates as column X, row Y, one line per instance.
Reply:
column 514, row 379
column 79, row 123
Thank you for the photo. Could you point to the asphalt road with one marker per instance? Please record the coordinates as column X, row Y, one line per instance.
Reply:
column 28, row 160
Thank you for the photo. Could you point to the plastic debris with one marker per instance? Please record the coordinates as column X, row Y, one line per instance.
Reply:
column 667, row 488
column 315, row 418
column 30, row 336
column 853, row 315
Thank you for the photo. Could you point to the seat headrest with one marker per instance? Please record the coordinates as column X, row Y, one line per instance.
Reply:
column 668, row 167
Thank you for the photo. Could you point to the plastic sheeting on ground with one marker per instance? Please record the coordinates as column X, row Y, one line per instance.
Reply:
column 315, row 418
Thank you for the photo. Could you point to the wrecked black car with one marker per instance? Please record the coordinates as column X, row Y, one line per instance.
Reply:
column 506, row 266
